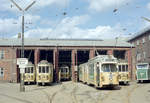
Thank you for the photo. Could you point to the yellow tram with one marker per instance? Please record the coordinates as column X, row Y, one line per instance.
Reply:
column 64, row 72
column 29, row 75
column 123, row 72
column 44, row 72
column 101, row 71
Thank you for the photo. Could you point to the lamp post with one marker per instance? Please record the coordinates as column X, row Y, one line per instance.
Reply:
column 22, row 88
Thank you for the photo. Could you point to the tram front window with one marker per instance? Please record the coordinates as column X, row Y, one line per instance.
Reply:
column 47, row 69
column 109, row 68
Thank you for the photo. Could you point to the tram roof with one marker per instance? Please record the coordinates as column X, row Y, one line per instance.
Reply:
column 103, row 58
column 65, row 42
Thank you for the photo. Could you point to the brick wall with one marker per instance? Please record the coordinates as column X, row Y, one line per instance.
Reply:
column 8, row 63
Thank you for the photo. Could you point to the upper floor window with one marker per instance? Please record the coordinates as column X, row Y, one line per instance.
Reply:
column 143, row 40
column 149, row 37
column 137, row 42
column 1, row 54
column 1, row 72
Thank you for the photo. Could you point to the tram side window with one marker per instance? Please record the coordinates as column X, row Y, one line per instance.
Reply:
column 123, row 68
column 39, row 69
column 31, row 69
column 119, row 68
column 43, row 69
column 91, row 69
column 47, row 69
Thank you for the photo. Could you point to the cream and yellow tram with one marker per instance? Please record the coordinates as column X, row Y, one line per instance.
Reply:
column 123, row 72
column 101, row 71
column 29, row 75
column 64, row 72
column 44, row 72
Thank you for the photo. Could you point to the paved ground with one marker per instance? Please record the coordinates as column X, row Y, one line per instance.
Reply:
column 68, row 92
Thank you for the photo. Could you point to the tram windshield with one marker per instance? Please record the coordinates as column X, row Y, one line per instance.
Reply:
column 109, row 68
column 142, row 66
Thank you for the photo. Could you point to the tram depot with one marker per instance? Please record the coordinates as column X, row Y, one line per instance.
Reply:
column 99, row 62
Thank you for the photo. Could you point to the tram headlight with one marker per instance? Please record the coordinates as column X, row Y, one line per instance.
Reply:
column 32, row 77
column 47, row 77
column 127, row 76
column 102, row 78
column 39, row 77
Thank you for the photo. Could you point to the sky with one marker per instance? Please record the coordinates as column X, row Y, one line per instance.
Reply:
column 83, row 19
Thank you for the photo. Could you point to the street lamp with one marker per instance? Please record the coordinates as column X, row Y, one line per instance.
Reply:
column 22, row 88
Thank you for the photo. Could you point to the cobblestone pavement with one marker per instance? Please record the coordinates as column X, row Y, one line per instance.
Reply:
column 69, row 92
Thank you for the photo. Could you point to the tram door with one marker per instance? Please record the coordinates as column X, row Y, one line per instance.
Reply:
column 97, row 74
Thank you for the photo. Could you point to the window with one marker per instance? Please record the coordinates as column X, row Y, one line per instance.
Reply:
column 1, row 54
column 149, row 37
column 123, row 68
column 143, row 40
column 137, row 42
column 119, row 68
column 39, row 69
column 47, row 69
column 1, row 72
column 127, row 68
column 43, row 69
column 31, row 69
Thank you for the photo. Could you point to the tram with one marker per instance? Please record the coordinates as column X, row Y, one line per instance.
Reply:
column 64, row 72
column 143, row 72
column 83, row 72
column 123, row 72
column 44, row 74
column 29, row 75
column 100, row 71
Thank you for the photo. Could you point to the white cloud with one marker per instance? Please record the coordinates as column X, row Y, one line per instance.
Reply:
column 11, row 26
column 101, row 5
column 69, row 28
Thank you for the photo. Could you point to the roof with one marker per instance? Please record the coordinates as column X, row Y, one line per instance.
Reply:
column 65, row 42
column 140, row 33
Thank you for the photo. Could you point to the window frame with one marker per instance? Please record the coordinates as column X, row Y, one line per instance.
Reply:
column 2, row 54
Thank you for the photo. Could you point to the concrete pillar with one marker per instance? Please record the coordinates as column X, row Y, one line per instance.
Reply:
column 74, row 68
column 92, row 53
column 110, row 52
column 36, row 56
column 56, row 69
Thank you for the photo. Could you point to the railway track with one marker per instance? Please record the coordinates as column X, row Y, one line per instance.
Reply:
column 129, row 92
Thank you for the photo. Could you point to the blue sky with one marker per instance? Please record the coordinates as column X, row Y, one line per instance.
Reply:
column 83, row 19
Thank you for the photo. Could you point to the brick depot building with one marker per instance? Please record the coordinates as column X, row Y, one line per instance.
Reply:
column 59, row 52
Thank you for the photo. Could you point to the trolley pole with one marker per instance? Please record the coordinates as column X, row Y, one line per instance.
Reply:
column 22, row 87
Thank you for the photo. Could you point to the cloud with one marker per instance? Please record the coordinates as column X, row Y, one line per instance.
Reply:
column 101, row 5
column 11, row 26
column 69, row 27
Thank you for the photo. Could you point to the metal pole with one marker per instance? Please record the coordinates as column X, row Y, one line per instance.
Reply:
column 22, row 87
